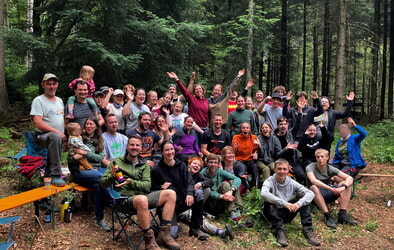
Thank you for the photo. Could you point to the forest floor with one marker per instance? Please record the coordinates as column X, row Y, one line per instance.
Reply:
column 368, row 207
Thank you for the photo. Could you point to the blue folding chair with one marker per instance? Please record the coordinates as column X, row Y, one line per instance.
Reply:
column 122, row 213
column 4, row 221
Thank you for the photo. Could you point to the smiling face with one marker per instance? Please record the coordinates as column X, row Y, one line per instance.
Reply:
column 283, row 127
column 230, row 155
column 50, row 87
column 81, row 91
column 152, row 98
column 145, row 122
column 266, row 129
column 172, row 90
column 249, row 103
column 234, row 95
column 134, row 147
column 198, row 90
column 90, row 127
column 259, row 96
column 240, row 102
column 140, row 97
column 311, row 130
column 245, row 129
column 188, row 124
column 217, row 91
column 275, row 102
column 118, row 99
column 177, row 108
column 168, row 152
column 212, row 165
column 325, row 103
column 281, row 171
column 194, row 166
column 167, row 99
column 217, row 121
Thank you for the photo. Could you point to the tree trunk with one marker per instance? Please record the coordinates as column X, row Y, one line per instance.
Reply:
column 249, row 53
column 373, row 111
column 315, row 57
column 326, row 35
column 340, row 68
column 304, row 51
column 3, row 89
column 261, row 71
column 391, row 68
column 384, row 63
column 283, row 50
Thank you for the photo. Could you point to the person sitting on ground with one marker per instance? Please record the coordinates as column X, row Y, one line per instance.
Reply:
column 224, row 195
column 245, row 146
column 283, row 199
column 215, row 138
column 269, row 150
column 202, row 188
column 237, row 168
column 137, row 187
column 75, row 141
column 170, row 173
column 320, row 175
column 348, row 156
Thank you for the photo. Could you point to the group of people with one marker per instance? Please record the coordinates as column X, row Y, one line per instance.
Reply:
column 192, row 156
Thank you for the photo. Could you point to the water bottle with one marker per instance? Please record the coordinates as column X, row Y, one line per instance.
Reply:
column 65, row 205
column 47, row 218
column 68, row 214
column 119, row 175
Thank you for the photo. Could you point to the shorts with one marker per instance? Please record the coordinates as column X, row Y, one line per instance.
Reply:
column 153, row 199
column 329, row 196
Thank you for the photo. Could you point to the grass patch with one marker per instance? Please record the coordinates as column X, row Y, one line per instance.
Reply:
column 371, row 225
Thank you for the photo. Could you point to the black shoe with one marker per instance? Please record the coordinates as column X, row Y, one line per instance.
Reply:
column 310, row 236
column 281, row 238
column 343, row 218
column 198, row 233
column 228, row 232
column 330, row 221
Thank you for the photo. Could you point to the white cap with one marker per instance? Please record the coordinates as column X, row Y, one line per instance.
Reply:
column 118, row 92
column 48, row 76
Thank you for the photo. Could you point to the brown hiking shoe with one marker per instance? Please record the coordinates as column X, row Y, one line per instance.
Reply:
column 150, row 242
column 165, row 238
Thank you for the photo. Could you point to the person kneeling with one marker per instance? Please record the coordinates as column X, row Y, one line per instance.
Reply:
column 280, row 207
column 320, row 175
column 137, row 187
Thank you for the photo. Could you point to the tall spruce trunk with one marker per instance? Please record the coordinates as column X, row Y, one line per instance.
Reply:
column 3, row 88
column 373, row 109
column 340, row 65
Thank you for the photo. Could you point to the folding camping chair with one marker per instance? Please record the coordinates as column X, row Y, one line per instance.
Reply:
column 11, row 221
column 122, row 213
column 31, row 149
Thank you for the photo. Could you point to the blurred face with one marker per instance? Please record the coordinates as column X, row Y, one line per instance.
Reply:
column 90, row 127
column 281, row 171
column 188, row 124
column 249, row 103
column 172, row 90
column 245, row 129
column 118, row 99
column 311, row 131
column 325, row 103
column 275, row 102
column 217, row 121
column 166, row 99
column 198, row 91
column 140, row 97
column 212, row 165
column 230, row 156
column 321, row 159
column 344, row 132
column 159, row 121
column 81, row 91
column 112, row 124
column 217, row 92
column 50, row 87
column 153, row 98
column 266, row 130
column 259, row 96
column 177, row 108
column 145, row 122
column 76, row 131
column 302, row 99
column 283, row 127
column 168, row 152
column 280, row 92
column 194, row 167
column 99, row 99
column 234, row 95
column 134, row 147
column 240, row 103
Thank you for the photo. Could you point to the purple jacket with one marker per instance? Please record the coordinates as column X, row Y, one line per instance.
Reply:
column 188, row 142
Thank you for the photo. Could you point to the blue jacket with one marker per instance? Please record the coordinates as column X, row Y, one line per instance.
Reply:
column 354, row 149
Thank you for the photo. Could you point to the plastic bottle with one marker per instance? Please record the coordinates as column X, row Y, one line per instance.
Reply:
column 47, row 218
column 65, row 205
column 119, row 175
column 68, row 214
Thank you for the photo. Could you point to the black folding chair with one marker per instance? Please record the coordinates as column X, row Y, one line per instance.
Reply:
column 11, row 221
column 122, row 214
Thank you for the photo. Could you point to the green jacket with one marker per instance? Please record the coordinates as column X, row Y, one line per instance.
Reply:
column 139, row 174
column 219, row 177
column 93, row 157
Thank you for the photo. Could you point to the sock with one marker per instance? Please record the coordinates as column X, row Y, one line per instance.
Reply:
column 342, row 211
column 146, row 230
column 326, row 214
column 164, row 222
column 219, row 232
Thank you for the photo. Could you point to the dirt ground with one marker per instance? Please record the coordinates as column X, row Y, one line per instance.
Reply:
column 368, row 207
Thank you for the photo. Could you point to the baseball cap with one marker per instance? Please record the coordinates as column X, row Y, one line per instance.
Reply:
column 104, row 88
column 98, row 92
column 118, row 92
column 48, row 76
column 276, row 95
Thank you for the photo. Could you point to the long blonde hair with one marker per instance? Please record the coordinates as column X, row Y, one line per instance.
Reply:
column 86, row 73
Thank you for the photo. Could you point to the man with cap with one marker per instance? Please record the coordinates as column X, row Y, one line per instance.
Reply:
column 116, row 108
column 47, row 111
column 271, row 112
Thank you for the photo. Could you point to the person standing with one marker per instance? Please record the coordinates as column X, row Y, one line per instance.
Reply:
column 132, row 109
column 47, row 112
column 239, row 116
column 114, row 143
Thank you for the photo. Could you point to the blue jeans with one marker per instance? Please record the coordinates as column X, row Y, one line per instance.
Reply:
column 91, row 179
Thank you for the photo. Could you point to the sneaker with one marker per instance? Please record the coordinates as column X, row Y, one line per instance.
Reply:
column 228, row 232
column 101, row 223
column 330, row 221
column 281, row 238
column 198, row 233
column 310, row 236
column 57, row 181
column 343, row 218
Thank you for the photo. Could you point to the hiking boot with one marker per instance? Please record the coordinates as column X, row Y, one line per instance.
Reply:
column 330, row 221
column 343, row 218
column 281, row 238
column 150, row 242
column 164, row 238
column 228, row 232
column 101, row 223
column 198, row 233
column 310, row 236
column 57, row 181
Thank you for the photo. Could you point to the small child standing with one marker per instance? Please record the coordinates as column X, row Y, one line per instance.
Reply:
column 86, row 74
column 75, row 142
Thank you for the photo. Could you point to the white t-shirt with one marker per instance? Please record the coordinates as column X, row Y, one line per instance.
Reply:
column 52, row 112
column 114, row 145
column 177, row 121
